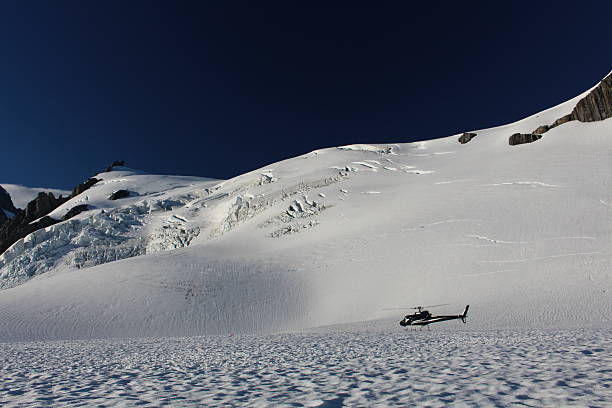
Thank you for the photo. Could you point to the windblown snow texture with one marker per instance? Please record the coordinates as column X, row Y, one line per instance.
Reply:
column 357, row 367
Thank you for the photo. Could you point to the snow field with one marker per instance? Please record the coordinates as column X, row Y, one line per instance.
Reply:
column 522, row 233
column 330, row 368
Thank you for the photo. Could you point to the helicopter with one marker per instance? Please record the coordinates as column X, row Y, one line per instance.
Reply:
column 423, row 317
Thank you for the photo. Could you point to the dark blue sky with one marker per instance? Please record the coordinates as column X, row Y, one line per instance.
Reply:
column 219, row 88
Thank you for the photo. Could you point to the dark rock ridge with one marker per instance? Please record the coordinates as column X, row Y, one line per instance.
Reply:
column 5, row 204
column 597, row 105
column 43, row 204
column 17, row 228
column 34, row 216
column 76, row 211
column 113, row 164
column 522, row 138
column 27, row 221
column 541, row 130
column 119, row 194
column 562, row 120
column 86, row 185
column 466, row 137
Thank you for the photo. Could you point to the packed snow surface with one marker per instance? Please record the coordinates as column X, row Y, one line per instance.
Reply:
column 521, row 233
column 355, row 367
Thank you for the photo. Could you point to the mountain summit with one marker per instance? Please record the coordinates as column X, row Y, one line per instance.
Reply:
column 512, row 220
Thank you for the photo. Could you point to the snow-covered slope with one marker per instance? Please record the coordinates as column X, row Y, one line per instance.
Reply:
column 143, row 222
column 521, row 233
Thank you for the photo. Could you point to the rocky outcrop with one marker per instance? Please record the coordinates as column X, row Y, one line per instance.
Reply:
column 43, row 204
column 522, row 138
column 74, row 211
column 86, row 185
column 597, row 105
column 541, row 130
column 561, row 120
column 5, row 201
column 119, row 194
column 29, row 220
column 466, row 137
column 6, row 205
column 113, row 164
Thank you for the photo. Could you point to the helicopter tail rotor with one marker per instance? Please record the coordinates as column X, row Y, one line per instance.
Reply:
column 464, row 315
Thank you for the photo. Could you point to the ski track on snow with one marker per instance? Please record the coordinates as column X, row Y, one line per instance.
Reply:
column 473, row 275
column 368, row 165
column 539, row 258
column 452, row 221
column 448, row 182
column 521, row 183
column 496, row 241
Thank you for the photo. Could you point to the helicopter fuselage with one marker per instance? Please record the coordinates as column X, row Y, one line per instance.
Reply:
column 424, row 317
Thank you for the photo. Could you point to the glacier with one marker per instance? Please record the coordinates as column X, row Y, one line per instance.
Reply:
column 273, row 288
column 522, row 233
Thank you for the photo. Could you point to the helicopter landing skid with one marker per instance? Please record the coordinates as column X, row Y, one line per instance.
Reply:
column 419, row 328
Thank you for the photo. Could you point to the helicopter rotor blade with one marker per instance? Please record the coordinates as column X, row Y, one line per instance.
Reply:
column 416, row 307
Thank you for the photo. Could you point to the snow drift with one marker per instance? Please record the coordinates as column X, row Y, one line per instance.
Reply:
column 521, row 233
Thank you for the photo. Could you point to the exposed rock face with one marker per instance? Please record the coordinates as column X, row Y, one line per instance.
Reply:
column 561, row 120
column 19, row 229
column 76, row 211
column 522, row 138
column 5, row 201
column 5, row 204
column 22, row 225
column 86, row 185
column 12, row 230
column 113, row 164
column 119, row 194
column 466, row 137
column 597, row 105
column 43, row 204
column 541, row 130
